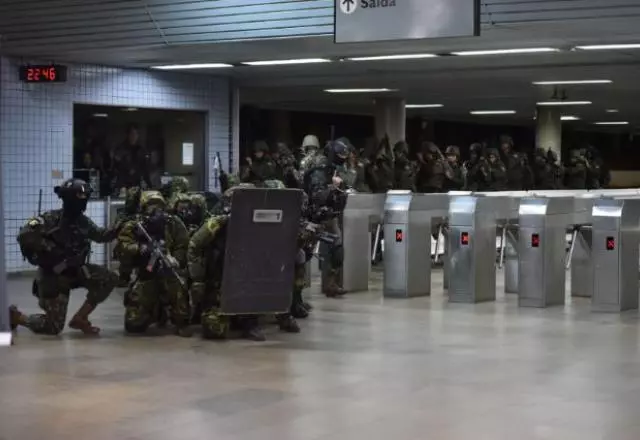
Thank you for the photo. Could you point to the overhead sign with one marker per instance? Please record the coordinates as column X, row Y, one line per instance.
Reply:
column 363, row 21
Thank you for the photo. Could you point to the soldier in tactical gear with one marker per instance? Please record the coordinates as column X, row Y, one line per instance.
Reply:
column 576, row 172
column 543, row 172
column 497, row 171
column 157, row 285
column 129, row 212
column 259, row 167
column 477, row 170
column 598, row 176
column 359, row 168
column 339, row 155
column 171, row 191
column 431, row 169
column 404, row 170
column 519, row 174
column 205, row 258
column 380, row 170
column 323, row 187
column 309, row 149
column 286, row 167
column 59, row 242
column 454, row 175
column 192, row 210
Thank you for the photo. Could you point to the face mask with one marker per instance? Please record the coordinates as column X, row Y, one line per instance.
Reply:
column 155, row 222
column 74, row 207
column 339, row 160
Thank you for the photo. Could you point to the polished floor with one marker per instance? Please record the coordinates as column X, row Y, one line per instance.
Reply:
column 363, row 368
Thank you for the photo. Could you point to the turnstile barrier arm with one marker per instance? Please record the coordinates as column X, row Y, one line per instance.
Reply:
column 503, row 241
column 376, row 243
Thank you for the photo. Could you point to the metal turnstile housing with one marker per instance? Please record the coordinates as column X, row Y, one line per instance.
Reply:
column 472, row 247
column 542, row 250
column 615, row 241
column 407, row 252
column 362, row 214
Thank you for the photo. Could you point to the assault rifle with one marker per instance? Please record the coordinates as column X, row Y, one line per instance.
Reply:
column 320, row 234
column 157, row 255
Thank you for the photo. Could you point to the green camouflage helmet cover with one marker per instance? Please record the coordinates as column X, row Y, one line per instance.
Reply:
column 132, row 199
column 179, row 184
column 151, row 198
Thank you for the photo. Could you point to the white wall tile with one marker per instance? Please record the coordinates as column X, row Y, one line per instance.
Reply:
column 36, row 130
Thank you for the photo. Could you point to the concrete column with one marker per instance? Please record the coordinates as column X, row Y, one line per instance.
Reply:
column 391, row 118
column 549, row 129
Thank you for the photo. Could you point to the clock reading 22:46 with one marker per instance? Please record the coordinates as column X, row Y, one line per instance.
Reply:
column 43, row 73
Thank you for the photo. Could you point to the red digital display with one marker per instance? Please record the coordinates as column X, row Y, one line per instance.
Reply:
column 535, row 240
column 464, row 238
column 611, row 243
column 43, row 73
column 399, row 235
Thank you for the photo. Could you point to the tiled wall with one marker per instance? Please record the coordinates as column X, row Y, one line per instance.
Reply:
column 36, row 131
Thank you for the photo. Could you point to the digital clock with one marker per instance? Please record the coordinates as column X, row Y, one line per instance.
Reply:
column 43, row 73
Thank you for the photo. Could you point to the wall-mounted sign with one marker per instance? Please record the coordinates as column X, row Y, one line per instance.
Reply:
column 364, row 21
column 43, row 73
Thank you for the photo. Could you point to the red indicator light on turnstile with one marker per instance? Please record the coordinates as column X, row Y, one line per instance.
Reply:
column 535, row 240
column 464, row 238
column 399, row 235
column 611, row 243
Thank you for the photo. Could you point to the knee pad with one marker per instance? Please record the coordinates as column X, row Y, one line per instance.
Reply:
column 214, row 326
column 135, row 327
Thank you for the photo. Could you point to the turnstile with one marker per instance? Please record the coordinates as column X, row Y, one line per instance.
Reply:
column 472, row 248
column 614, row 252
column 542, row 250
column 407, row 251
column 362, row 214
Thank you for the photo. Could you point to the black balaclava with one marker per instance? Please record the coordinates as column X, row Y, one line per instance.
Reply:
column 75, row 197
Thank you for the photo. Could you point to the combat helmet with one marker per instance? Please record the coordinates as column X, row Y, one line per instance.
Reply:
column 179, row 184
column 452, row 150
column 151, row 199
column 224, row 205
column 132, row 200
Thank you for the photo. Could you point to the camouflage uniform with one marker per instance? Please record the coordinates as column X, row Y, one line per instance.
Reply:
column 497, row 171
column 59, row 242
column 431, row 171
column 192, row 210
column 129, row 212
column 542, row 171
column 287, row 171
column 556, row 169
column 404, row 173
column 453, row 173
column 309, row 149
column 156, row 286
column 476, row 169
column 519, row 174
column 381, row 170
column 576, row 171
column 260, row 167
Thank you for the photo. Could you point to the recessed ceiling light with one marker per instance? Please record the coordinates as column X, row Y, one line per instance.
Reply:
column 609, row 46
column 130, row 109
column 569, row 118
column 286, row 62
column 423, row 106
column 412, row 56
column 562, row 103
column 192, row 66
column 612, row 123
column 506, row 51
column 493, row 112
column 359, row 90
column 566, row 83
column 612, row 110
column 100, row 115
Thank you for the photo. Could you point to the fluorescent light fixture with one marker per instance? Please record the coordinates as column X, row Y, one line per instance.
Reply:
column 410, row 56
column 506, row 51
column 567, row 83
column 612, row 110
column 569, row 118
column 359, row 90
column 612, row 123
column 192, row 66
column 609, row 46
column 130, row 109
column 493, row 112
column 562, row 103
column 286, row 62
column 423, row 106
column 100, row 115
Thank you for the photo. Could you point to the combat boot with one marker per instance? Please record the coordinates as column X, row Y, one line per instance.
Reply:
column 16, row 318
column 124, row 279
column 251, row 329
column 298, row 311
column 80, row 320
column 288, row 324
column 334, row 290
column 184, row 331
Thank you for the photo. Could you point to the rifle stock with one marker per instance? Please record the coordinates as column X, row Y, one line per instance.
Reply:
column 157, row 254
